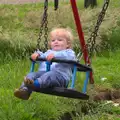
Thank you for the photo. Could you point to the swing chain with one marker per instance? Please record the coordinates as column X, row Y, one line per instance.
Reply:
column 91, row 41
column 44, row 25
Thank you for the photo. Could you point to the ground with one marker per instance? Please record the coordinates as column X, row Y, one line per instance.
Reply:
column 102, row 95
column 19, row 1
column 112, row 95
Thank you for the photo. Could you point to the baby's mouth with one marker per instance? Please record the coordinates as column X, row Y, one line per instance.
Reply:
column 56, row 45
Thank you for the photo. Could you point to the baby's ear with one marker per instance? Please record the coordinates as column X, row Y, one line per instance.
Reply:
column 68, row 46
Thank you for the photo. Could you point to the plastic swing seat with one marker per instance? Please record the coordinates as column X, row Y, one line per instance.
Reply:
column 61, row 91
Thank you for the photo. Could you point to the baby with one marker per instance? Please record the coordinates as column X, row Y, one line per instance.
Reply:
column 60, row 73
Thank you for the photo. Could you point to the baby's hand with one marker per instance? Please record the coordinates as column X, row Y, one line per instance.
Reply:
column 34, row 56
column 50, row 56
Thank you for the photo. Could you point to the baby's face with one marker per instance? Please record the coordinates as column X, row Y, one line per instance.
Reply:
column 58, row 41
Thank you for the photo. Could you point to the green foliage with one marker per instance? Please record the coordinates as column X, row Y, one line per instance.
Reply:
column 47, row 107
column 107, row 67
column 91, row 110
column 19, row 29
column 39, row 106
column 15, row 49
column 114, row 39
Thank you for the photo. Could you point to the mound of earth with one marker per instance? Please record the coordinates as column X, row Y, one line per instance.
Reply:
column 113, row 95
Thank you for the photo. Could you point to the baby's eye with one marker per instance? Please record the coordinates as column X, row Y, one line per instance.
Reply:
column 53, row 40
column 60, row 39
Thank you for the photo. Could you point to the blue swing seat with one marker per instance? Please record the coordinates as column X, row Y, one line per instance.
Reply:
column 61, row 91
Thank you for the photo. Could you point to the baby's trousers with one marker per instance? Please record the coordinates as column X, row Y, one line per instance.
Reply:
column 48, row 79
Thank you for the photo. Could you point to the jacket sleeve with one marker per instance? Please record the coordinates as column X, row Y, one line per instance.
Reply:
column 67, row 54
column 43, row 55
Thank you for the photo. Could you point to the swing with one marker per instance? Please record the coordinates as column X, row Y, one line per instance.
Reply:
column 65, row 92
column 60, row 91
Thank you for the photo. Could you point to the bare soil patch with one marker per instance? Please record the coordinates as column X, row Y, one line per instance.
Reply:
column 113, row 95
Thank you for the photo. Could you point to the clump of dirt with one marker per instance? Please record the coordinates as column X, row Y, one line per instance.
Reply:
column 113, row 95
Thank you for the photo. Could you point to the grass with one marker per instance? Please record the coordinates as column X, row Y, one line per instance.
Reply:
column 107, row 67
column 19, row 28
column 49, row 106
column 26, row 18
column 34, row 109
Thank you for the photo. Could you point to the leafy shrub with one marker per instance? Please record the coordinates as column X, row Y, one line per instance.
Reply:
column 114, row 39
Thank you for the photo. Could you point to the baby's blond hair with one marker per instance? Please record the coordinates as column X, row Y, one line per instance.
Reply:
column 66, row 33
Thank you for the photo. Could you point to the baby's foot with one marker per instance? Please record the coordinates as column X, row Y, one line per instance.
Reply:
column 22, row 94
column 29, row 83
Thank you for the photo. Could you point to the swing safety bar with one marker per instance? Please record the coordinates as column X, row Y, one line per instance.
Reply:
column 80, row 67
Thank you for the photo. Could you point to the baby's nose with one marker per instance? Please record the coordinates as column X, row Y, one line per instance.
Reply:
column 56, row 40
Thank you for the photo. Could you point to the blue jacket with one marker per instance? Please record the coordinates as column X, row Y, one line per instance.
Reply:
column 63, row 68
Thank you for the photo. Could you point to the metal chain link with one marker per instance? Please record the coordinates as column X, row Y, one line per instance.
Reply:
column 44, row 26
column 91, row 41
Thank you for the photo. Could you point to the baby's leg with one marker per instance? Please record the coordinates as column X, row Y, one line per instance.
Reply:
column 24, row 92
column 34, row 75
column 52, row 79
column 31, row 77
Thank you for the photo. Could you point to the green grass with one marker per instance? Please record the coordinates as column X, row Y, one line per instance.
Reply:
column 107, row 67
column 45, row 107
column 19, row 28
column 39, row 106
